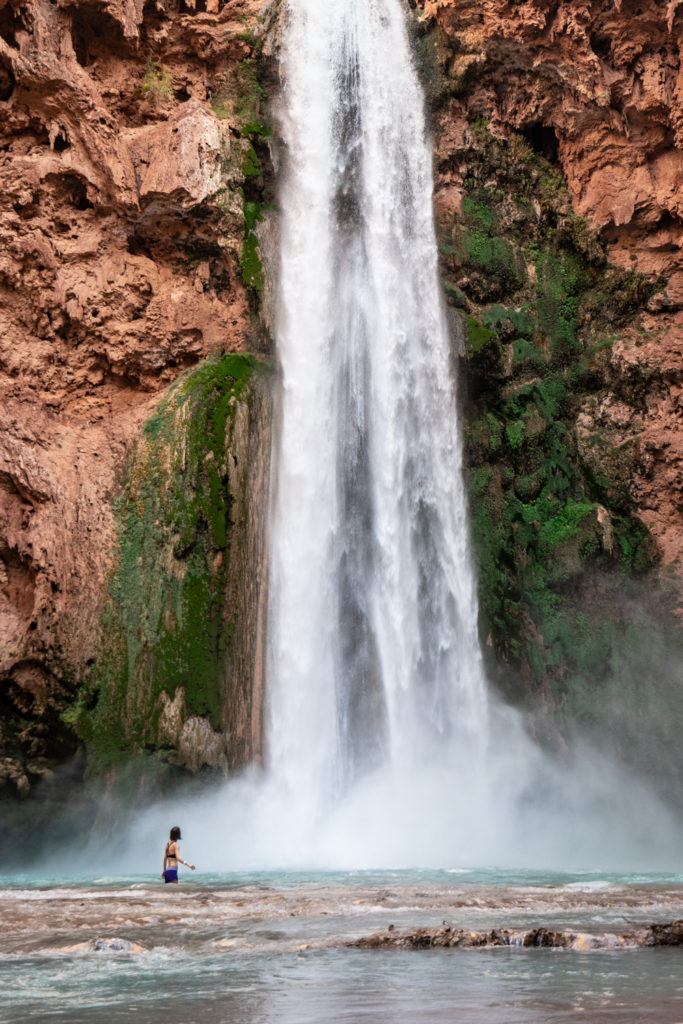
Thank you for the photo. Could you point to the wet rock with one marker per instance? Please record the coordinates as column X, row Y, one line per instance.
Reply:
column 115, row 946
column 105, row 945
column 446, row 937
column 200, row 746
column 666, row 934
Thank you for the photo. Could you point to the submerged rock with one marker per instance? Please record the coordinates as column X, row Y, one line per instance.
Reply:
column 106, row 945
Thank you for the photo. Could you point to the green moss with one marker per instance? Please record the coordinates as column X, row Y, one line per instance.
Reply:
column 249, row 37
column 164, row 625
column 478, row 336
column 493, row 255
column 241, row 96
column 636, row 547
column 559, row 522
column 478, row 243
column 522, row 322
column 252, row 266
column 256, row 129
column 526, row 354
column 255, row 205
column 432, row 55
column 478, row 214
column 479, row 128
column 558, row 301
column 251, row 166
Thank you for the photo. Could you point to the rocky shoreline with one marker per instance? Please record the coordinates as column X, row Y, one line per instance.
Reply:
column 129, row 916
column 668, row 934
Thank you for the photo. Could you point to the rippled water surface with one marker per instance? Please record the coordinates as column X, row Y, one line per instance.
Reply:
column 448, row 985
column 269, row 948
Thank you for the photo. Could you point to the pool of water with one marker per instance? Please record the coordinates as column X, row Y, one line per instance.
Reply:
column 489, row 986
column 271, row 949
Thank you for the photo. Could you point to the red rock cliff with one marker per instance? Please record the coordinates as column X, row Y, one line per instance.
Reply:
column 597, row 87
column 121, row 227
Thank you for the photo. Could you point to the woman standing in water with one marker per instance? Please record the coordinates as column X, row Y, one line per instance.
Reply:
column 172, row 856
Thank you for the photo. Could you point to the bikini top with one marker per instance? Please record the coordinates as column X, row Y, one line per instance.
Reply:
column 171, row 856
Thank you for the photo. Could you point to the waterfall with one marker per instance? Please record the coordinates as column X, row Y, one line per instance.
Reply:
column 373, row 657
column 384, row 747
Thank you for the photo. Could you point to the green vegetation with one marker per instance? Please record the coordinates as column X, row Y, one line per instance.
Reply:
column 241, row 95
column 165, row 624
column 157, row 84
column 478, row 336
column 252, row 267
column 432, row 56
column 483, row 249
column 552, row 520
column 255, row 207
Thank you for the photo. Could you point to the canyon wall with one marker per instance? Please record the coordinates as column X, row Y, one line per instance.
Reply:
column 597, row 88
column 131, row 191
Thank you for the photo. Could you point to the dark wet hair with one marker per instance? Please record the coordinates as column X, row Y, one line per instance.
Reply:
column 175, row 833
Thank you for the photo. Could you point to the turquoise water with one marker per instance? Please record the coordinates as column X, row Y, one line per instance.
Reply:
column 268, row 948
column 506, row 986
column 493, row 876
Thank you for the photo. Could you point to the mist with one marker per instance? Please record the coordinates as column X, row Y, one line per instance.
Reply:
column 517, row 808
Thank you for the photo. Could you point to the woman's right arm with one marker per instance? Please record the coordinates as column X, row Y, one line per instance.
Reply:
column 180, row 859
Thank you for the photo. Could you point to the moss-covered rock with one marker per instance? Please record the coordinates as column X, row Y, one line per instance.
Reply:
column 174, row 623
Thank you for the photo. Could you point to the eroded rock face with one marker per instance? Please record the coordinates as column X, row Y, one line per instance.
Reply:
column 596, row 88
column 121, row 229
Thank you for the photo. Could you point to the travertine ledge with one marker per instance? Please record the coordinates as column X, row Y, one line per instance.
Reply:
column 446, row 937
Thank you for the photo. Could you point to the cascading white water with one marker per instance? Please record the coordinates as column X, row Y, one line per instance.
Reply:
column 373, row 653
